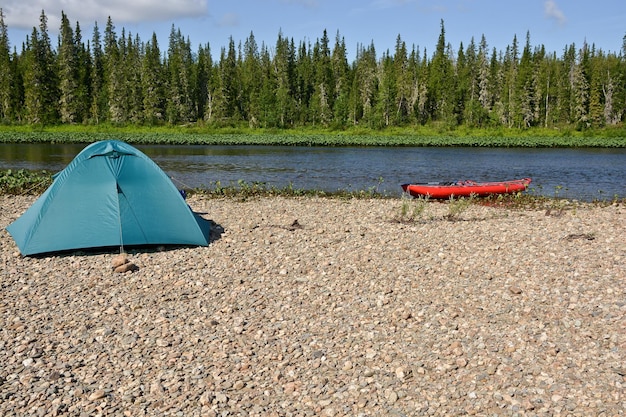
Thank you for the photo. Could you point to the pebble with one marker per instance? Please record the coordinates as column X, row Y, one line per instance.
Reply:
column 353, row 312
column 97, row 395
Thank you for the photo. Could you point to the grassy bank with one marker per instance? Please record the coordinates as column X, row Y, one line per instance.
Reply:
column 423, row 136
column 25, row 182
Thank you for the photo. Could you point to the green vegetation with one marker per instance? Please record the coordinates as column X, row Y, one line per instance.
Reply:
column 24, row 182
column 299, row 137
column 457, row 206
column 303, row 93
column 412, row 209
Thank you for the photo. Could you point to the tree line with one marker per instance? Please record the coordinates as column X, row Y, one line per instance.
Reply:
column 124, row 80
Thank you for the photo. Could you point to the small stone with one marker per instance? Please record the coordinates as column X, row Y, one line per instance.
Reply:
column 54, row 375
column 361, row 402
column 206, row 399
column 556, row 398
column 127, row 267
column 317, row 354
column 392, row 397
column 156, row 388
column 97, row 395
column 528, row 405
column 514, row 289
column 119, row 260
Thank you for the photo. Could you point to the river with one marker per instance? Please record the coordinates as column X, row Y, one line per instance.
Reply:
column 585, row 174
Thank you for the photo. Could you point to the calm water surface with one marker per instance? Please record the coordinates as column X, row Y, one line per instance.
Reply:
column 584, row 174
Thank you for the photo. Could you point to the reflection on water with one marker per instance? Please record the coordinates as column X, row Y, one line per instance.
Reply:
column 585, row 174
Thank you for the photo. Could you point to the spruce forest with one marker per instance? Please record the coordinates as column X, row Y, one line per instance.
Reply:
column 122, row 80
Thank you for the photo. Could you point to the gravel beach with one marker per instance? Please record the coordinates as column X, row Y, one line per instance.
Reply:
column 326, row 307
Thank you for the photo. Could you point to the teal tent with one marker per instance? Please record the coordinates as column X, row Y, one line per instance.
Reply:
column 110, row 194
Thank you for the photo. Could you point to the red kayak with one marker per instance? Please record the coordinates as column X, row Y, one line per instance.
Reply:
column 465, row 188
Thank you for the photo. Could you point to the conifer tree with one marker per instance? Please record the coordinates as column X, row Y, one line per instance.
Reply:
column 565, row 98
column 496, row 88
column 7, row 75
column 323, row 87
column 284, row 76
column 580, row 90
column 366, row 85
column 464, row 100
column 526, row 89
column 69, row 82
column 414, row 80
column 180, row 105
column 218, row 101
column 441, row 82
column 251, row 81
column 84, row 72
column 484, row 86
column 132, row 69
column 387, row 93
column 596, row 98
column 205, row 80
column 40, row 81
column 609, row 83
column 269, row 85
column 304, row 83
column 98, row 91
column 17, row 65
column 420, row 108
column 510, row 68
column 201, row 82
column 342, row 78
column 229, row 83
column 152, row 83
column 548, row 81
column 114, row 51
column 404, row 83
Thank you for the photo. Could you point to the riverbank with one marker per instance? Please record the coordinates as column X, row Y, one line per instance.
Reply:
column 315, row 306
column 427, row 136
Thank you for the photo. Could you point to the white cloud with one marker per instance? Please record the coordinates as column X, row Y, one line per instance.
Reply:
column 22, row 14
column 553, row 11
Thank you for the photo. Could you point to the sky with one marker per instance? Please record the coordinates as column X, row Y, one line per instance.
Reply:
column 555, row 24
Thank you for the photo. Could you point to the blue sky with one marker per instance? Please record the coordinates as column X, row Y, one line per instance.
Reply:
column 552, row 23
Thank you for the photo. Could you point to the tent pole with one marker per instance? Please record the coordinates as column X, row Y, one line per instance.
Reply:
column 119, row 216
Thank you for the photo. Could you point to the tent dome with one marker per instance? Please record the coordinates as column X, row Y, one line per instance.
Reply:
column 110, row 194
